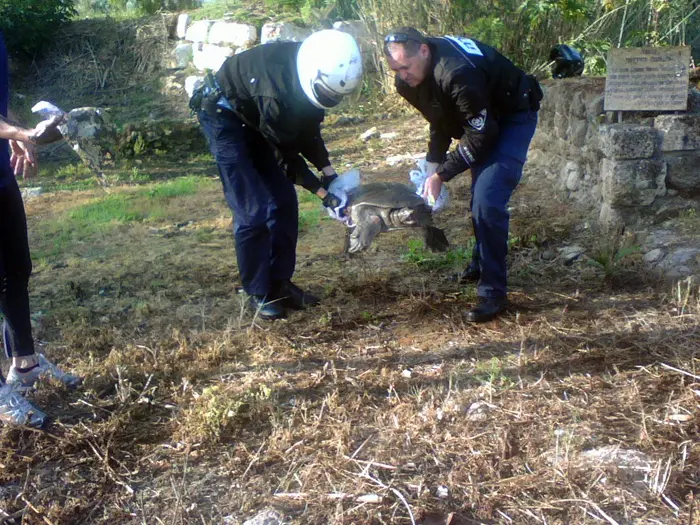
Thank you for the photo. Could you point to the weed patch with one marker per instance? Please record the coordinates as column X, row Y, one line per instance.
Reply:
column 420, row 256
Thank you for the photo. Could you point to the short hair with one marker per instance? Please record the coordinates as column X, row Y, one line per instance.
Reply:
column 409, row 37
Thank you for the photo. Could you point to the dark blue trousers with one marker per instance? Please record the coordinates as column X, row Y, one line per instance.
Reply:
column 493, row 182
column 263, row 201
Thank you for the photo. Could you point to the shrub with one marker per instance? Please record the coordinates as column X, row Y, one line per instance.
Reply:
column 29, row 24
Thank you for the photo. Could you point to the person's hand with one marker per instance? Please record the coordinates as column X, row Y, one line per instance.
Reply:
column 431, row 188
column 46, row 131
column 331, row 201
column 22, row 160
column 326, row 180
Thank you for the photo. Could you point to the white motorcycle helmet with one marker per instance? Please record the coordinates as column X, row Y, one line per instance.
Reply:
column 329, row 64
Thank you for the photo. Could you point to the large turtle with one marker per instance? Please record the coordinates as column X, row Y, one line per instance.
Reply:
column 382, row 206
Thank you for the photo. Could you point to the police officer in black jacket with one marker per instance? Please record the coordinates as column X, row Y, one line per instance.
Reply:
column 468, row 91
column 261, row 114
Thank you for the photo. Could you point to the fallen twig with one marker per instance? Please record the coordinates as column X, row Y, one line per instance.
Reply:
column 362, row 498
column 398, row 494
column 29, row 504
column 680, row 371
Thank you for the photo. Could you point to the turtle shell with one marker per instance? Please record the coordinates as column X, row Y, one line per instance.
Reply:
column 384, row 195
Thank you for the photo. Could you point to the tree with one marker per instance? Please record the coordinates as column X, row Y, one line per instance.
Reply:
column 29, row 24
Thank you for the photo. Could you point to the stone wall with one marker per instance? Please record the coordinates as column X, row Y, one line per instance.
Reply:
column 640, row 171
column 205, row 44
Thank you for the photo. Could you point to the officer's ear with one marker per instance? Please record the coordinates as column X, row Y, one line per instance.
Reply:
column 424, row 51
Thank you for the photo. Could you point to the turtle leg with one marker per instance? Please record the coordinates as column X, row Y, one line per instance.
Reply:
column 368, row 227
column 435, row 239
column 346, row 244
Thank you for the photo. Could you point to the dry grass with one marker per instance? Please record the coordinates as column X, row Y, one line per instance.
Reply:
column 380, row 406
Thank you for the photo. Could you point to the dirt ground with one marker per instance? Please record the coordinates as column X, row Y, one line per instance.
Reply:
column 382, row 405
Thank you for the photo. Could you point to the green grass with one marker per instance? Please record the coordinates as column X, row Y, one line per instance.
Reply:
column 119, row 208
column 309, row 219
column 305, row 197
column 493, row 372
column 420, row 256
column 95, row 219
column 254, row 13
column 179, row 187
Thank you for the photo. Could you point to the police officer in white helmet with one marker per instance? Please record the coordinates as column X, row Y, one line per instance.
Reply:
column 261, row 113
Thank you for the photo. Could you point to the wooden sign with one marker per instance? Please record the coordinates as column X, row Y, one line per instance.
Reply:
column 647, row 79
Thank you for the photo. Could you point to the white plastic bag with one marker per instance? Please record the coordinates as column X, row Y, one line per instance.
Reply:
column 418, row 177
column 341, row 187
column 47, row 110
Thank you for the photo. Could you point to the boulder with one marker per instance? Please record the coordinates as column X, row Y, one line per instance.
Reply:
column 683, row 173
column 632, row 182
column 208, row 56
column 572, row 176
column 183, row 54
column 627, row 141
column 678, row 132
column 183, row 22
column 232, row 34
column 283, row 31
column 192, row 83
column 198, row 31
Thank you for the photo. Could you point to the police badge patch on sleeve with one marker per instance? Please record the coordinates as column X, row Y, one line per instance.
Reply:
column 478, row 122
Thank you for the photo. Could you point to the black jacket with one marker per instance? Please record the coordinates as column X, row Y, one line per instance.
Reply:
column 263, row 87
column 465, row 93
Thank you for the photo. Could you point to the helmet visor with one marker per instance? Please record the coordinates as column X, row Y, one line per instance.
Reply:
column 325, row 95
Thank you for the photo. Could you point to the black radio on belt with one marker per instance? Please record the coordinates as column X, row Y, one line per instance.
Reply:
column 207, row 96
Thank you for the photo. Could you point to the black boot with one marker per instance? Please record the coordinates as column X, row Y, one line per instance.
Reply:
column 487, row 309
column 471, row 274
column 292, row 297
column 268, row 310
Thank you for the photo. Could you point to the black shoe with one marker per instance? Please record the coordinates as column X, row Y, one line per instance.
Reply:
column 487, row 309
column 268, row 310
column 470, row 274
column 289, row 295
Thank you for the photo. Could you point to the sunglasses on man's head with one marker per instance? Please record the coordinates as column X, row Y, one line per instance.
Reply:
column 398, row 38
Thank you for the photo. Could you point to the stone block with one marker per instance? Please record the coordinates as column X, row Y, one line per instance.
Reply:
column 595, row 108
column 232, row 34
column 192, row 83
column 627, row 141
column 198, row 31
column 545, row 121
column 578, row 104
column 183, row 22
column 632, row 182
column 183, row 55
column 357, row 28
column 561, row 126
column 609, row 216
column 684, row 173
column 694, row 100
column 678, row 132
column 577, row 132
column 208, row 56
column 283, row 31
column 572, row 175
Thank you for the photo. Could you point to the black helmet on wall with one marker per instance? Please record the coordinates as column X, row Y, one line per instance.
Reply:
column 567, row 61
